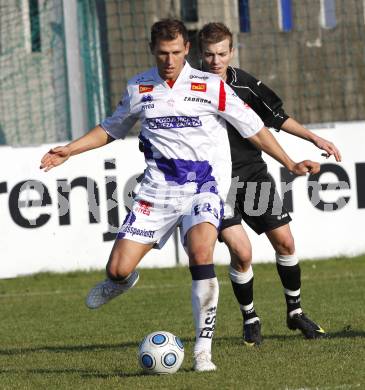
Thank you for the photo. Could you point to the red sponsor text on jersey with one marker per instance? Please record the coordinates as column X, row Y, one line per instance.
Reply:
column 201, row 87
column 144, row 207
column 145, row 88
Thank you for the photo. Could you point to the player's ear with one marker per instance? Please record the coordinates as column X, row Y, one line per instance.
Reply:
column 151, row 47
column 187, row 47
column 232, row 52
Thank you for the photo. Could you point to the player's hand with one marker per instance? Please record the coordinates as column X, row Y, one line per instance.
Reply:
column 306, row 166
column 55, row 157
column 328, row 147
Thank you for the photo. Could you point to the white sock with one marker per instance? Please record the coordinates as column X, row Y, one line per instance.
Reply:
column 205, row 294
column 287, row 260
column 240, row 277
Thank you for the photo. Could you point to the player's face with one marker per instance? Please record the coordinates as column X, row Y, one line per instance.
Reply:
column 216, row 57
column 170, row 57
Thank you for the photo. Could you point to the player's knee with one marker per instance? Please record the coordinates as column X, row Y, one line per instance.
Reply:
column 244, row 255
column 285, row 246
column 240, row 254
column 200, row 255
column 116, row 269
column 242, row 262
column 115, row 273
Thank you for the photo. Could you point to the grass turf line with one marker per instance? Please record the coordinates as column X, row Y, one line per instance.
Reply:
column 48, row 339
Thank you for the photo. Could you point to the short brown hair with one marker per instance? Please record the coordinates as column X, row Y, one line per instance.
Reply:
column 168, row 30
column 214, row 33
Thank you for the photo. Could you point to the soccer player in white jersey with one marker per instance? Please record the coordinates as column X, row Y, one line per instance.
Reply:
column 180, row 110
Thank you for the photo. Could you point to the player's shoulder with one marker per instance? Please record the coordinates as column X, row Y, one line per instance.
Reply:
column 144, row 79
column 199, row 76
column 240, row 77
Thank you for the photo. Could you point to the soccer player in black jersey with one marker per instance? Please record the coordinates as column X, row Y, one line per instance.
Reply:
column 215, row 41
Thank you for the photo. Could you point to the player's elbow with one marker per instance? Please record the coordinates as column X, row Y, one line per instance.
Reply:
column 259, row 138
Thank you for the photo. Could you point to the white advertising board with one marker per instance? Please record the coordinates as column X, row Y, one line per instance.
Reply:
column 335, row 225
column 38, row 233
column 37, row 237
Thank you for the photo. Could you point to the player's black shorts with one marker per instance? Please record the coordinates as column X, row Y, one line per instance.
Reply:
column 259, row 205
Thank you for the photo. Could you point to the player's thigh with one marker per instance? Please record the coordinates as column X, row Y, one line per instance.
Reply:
column 226, row 223
column 200, row 241
column 125, row 256
column 282, row 240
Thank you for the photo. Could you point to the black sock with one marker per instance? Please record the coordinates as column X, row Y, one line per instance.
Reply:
column 244, row 294
column 290, row 279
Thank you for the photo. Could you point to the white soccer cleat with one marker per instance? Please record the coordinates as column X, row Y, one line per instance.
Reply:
column 203, row 362
column 104, row 291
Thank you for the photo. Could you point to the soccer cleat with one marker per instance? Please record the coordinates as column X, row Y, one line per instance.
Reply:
column 203, row 362
column 309, row 329
column 104, row 291
column 252, row 334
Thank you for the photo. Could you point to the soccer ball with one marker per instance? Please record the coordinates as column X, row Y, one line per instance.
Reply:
column 161, row 353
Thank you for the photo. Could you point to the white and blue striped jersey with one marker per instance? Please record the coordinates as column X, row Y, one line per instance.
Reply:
column 183, row 130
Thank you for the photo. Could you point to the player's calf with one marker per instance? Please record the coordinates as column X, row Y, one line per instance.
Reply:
column 205, row 292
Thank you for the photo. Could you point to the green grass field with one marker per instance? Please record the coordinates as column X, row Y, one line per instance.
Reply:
column 49, row 339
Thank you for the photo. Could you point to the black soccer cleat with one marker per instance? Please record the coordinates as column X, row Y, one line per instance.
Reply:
column 309, row 328
column 252, row 334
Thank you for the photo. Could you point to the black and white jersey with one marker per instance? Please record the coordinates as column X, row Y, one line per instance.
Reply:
column 247, row 161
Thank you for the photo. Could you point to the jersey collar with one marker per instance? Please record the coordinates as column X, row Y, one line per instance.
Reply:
column 230, row 75
column 184, row 71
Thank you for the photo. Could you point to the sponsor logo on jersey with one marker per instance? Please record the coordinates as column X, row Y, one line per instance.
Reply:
column 200, row 87
column 146, row 98
column 148, row 107
column 173, row 122
column 143, row 88
column 144, row 207
column 196, row 100
column 143, row 79
column 195, row 76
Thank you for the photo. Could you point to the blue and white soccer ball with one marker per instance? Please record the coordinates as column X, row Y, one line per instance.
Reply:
column 161, row 353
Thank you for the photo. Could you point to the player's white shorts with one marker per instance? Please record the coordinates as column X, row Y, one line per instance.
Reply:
column 153, row 223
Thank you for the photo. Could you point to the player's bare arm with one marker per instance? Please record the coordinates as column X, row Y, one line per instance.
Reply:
column 291, row 126
column 265, row 141
column 95, row 138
